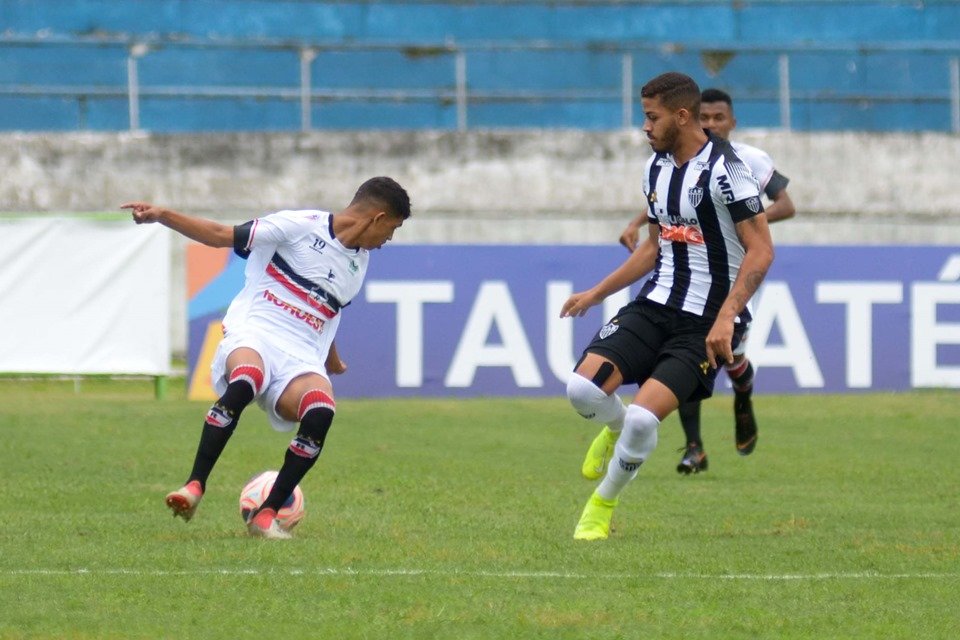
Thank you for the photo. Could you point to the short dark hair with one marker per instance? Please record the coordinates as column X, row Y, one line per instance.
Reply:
column 716, row 95
column 387, row 193
column 676, row 91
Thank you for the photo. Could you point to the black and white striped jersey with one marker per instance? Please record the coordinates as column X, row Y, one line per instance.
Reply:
column 697, row 207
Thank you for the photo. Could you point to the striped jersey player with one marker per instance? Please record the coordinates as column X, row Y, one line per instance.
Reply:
column 718, row 118
column 709, row 248
column 302, row 268
column 697, row 207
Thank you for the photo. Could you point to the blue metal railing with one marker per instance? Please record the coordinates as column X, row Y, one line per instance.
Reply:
column 456, row 88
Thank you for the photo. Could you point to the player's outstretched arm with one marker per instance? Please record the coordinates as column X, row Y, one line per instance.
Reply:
column 639, row 263
column 208, row 232
column 754, row 234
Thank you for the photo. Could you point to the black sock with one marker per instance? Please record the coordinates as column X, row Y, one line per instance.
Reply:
column 301, row 455
column 294, row 468
column 690, row 420
column 218, row 427
column 743, row 383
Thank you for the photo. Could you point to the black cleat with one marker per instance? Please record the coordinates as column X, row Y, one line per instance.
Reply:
column 745, row 425
column 694, row 459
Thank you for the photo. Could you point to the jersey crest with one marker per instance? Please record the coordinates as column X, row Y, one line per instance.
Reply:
column 695, row 194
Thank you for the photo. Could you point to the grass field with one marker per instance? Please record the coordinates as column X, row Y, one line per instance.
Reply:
column 454, row 519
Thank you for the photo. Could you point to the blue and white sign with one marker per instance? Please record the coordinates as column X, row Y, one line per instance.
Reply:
column 484, row 320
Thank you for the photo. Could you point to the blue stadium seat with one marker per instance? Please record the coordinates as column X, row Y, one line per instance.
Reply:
column 63, row 66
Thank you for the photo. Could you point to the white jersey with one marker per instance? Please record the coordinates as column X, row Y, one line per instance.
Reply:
column 770, row 180
column 757, row 159
column 297, row 279
column 697, row 207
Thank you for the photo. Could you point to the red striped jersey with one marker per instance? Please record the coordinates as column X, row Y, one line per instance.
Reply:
column 297, row 279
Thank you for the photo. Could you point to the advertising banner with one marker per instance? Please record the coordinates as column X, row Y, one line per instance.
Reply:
column 84, row 296
column 478, row 320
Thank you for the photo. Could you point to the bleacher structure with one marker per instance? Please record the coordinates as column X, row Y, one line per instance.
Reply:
column 273, row 65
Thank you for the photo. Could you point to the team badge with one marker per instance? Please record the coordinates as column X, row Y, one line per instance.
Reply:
column 754, row 204
column 695, row 195
column 218, row 417
column 608, row 330
column 652, row 198
column 304, row 447
column 354, row 267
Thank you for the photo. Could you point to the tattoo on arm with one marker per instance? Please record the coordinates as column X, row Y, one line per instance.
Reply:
column 753, row 280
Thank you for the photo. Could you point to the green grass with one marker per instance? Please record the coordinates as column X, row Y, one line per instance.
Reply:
column 454, row 519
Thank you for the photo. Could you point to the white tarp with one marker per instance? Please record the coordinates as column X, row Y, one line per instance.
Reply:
column 82, row 295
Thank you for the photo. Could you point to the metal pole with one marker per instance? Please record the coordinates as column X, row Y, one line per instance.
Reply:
column 136, row 52
column 460, row 62
column 955, row 94
column 307, row 57
column 626, row 70
column 785, row 118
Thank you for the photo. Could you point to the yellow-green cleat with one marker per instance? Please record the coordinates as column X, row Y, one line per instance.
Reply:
column 599, row 454
column 595, row 520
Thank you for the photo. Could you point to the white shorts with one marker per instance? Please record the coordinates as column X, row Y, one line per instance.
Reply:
column 279, row 368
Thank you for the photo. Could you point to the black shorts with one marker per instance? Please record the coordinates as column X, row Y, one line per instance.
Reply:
column 648, row 340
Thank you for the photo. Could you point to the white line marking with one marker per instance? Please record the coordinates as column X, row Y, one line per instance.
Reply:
column 528, row 575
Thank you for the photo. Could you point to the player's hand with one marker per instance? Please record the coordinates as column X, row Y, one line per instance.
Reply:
column 578, row 303
column 720, row 343
column 143, row 211
column 630, row 236
column 336, row 367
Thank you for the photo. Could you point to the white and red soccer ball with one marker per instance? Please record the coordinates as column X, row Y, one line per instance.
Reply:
column 256, row 491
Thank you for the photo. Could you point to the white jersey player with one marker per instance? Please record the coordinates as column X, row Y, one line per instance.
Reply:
column 302, row 268
column 298, row 278
column 772, row 183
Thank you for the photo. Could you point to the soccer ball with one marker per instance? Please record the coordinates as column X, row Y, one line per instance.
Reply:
column 256, row 491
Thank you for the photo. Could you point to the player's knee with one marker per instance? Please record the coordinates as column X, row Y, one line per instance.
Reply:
column 316, row 413
column 740, row 363
column 247, row 374
column 639, row 436
column 590, row 401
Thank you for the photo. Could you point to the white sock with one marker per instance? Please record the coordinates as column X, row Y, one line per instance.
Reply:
column 638, row 439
